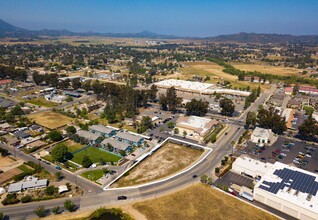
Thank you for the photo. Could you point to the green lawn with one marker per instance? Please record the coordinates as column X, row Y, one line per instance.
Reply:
column 93, row 175
column 48, row 158
column 72, row 146
column 95, row 154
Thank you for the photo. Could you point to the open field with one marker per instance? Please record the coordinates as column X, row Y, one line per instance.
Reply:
column 7, row 163
column 215, row 72
column 72, row 146
column 162, row 163
column 41, row 101
column 93, row 175
column 50, row 119
column 199, row 202
column 95, row 155
column 275, row 70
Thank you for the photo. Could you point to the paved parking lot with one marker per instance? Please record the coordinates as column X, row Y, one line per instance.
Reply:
column 286, row 150
column 233, row 178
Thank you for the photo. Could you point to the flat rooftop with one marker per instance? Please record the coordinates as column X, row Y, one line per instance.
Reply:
column 292, row 184
column 198, row 124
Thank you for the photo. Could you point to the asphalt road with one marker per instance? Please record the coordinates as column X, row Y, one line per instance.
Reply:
column 96, row 197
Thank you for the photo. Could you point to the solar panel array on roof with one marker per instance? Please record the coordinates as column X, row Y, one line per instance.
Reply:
column 295, row 180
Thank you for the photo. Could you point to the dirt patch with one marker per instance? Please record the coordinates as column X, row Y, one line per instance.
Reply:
column 7, row 163
column 199, row 202
column 164, row 162
column 51, row 120
column 8, row 175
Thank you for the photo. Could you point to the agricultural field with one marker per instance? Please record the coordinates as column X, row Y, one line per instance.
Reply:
column 275, row 70
column 215, row 72
column 162, row 163
column 95, row 155
column 50, row 119
column 199, row 202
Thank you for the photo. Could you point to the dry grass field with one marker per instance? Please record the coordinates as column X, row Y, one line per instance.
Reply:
column 215, row 72
column 162, row 163
column 6, row 163
column 199, row 202
column 50, row 119
column 275, row 70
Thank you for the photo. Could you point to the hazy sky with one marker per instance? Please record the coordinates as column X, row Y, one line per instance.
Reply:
column 178, row 17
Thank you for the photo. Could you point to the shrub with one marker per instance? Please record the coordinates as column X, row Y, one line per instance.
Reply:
column 26, row 199
column 69, row 205
column 40, row 211
column 11, row 199
column 217, row 170
column 56, row 210
column 51, row 190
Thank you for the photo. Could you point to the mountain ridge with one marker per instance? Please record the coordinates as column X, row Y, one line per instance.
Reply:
column 9, row 30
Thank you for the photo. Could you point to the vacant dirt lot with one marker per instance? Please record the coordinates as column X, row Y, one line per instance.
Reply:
column 164, row 162
column 6, row 163
column 8, row 175
column 50, row 119
column 199, row 202
column 275, row 70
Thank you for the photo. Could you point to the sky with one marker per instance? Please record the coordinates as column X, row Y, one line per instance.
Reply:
column 199, row 18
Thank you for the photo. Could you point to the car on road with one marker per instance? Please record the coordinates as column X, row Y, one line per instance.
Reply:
column 133, row 155
column 225, row 133
column 122, row 197
column 58, row 167
column 194, row 176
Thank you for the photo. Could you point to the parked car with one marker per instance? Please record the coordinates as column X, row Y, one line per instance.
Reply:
column 296, row 161
column 133, row 155
column 58, row 167
column 308, row 155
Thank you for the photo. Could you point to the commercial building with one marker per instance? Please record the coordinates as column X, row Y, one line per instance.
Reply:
column 250, row 167
column 194, row 126
column 102, row 130
column 290, row 190
column 198, row 87
column 261, row 136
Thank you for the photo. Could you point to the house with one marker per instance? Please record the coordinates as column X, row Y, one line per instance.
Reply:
column 21, row 134
column 5, row 127
column 102, row 130
column 308, row 90
column 129, row 138
column 288, row 90
column 36, row 127
column 294, row 103
column 4, row 103
column 35, row 144
column 90, row 137
column 261, row 136
column 34, row 183
column 117, row 145
column 5, row 82
column 195, row 127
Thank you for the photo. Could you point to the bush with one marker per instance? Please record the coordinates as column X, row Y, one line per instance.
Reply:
column 51, row 190
column 1, row 216
column 26, row 199
column 20, row 176
column 40, row 211
column 11, row 199
column 56, row 210
column 217, row 170
column 223, row 162
column 69, row 205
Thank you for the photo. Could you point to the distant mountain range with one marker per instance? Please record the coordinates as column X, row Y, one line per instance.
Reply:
column 9, row 30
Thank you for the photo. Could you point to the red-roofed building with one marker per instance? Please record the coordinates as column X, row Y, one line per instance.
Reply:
column 288, row 90
column 308, row 90
column 5, row 82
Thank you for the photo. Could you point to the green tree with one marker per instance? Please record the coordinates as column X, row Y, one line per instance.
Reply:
column 26, row 199
column 152, row 93
column 69, row 205
column 227, row 107
column 308, row 129
column 59, row 152
column 110, row 114
column 172, row 100
column 86, row 162
column 58, row 176
column 198, row 108
column 55, row 135
column 185, row 133
column 250, row 119
column 56, row 210
column 145, row 124
column 40, row 211
column 176, row 131
column 1, row 216
column 51, row 190
column 170, row 124
column 122, row 153
column 71, row 130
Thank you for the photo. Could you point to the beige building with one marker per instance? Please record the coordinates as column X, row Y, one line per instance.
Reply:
column 290, row 190
column 195, row 127
column 261, row 136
